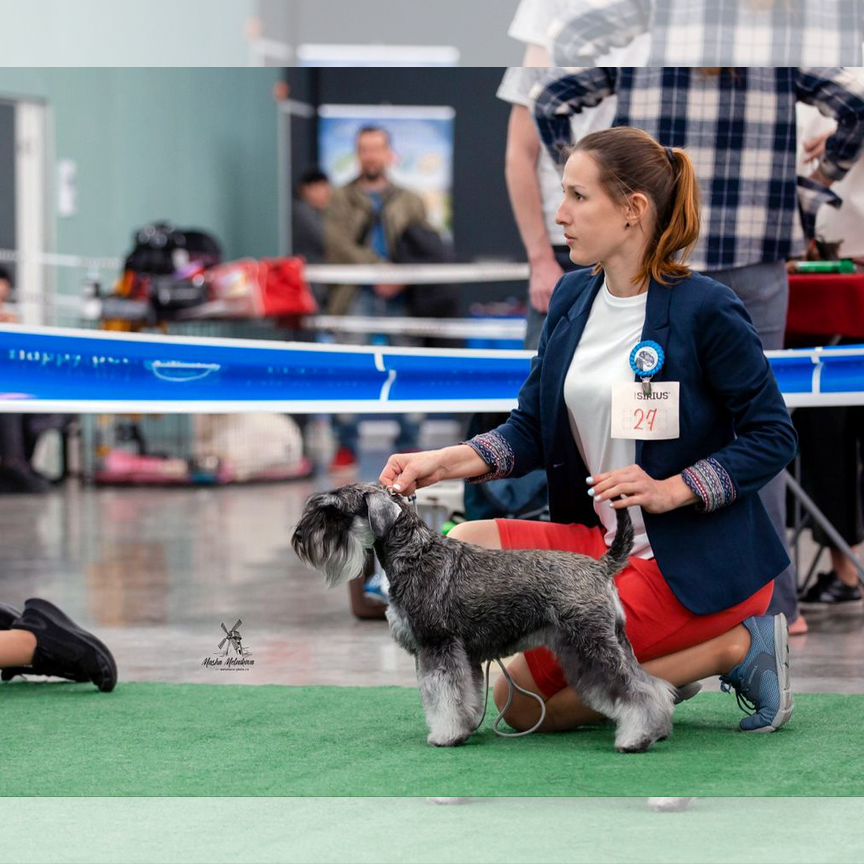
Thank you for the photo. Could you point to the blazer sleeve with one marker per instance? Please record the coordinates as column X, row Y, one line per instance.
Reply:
column 516, row 446
column 738, row 372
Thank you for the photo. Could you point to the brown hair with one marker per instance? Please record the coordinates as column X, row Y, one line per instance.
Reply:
column 631, row 161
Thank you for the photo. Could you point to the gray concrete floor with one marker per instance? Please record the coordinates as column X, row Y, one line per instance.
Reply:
column 156, row 572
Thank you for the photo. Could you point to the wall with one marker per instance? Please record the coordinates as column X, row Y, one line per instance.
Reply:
column 483, row 224
column 125, row 33
column 196, row 146
column 478, row 28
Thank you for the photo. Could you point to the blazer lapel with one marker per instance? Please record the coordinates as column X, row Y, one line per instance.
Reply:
column 562, row 343
column 655, row 329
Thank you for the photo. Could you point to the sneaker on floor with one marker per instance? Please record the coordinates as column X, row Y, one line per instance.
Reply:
column 63, row 649
column 761, row 681
column 344, row 460
column 7, row 615
column 829, row 591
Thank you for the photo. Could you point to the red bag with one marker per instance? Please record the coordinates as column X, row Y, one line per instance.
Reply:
column 284, row 288
column 261, row 289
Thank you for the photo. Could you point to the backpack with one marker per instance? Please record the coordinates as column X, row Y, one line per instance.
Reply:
column 160, row 249
column 420, row 244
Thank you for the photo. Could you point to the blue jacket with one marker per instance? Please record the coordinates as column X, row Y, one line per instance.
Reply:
column 735, row 435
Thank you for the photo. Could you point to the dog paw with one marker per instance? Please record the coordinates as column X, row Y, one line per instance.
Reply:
column 440, row 741
column 641, row 746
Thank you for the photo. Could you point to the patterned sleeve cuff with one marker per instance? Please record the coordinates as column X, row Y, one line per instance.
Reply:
column 711, row 482
column 496, row 452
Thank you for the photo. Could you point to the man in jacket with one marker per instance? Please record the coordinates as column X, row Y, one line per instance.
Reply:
column 363, row 225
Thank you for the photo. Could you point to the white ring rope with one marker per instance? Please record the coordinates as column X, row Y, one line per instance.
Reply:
column 336, row 274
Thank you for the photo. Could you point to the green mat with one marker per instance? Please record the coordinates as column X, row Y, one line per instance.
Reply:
column 210, row 740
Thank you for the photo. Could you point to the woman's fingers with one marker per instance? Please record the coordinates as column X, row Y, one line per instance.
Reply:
column 405, row 473
column 627, row 488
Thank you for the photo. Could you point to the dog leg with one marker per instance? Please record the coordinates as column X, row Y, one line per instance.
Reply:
column 448, row 691
column 644, row 715
column 615, row 685
column 477, row 694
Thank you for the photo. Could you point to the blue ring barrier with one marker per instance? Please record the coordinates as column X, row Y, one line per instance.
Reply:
column 81, row 371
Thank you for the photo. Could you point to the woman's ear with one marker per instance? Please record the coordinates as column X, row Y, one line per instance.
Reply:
column 637, row 209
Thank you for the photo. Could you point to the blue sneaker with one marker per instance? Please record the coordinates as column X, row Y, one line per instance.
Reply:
column 377, row 588
column 761, row 681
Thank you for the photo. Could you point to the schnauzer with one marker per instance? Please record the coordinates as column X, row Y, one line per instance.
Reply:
column 454, row 605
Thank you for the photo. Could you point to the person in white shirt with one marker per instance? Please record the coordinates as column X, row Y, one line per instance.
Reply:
column 533, row 179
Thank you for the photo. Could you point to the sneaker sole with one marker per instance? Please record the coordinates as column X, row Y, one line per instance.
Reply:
column 59, row 618
column 787, row 705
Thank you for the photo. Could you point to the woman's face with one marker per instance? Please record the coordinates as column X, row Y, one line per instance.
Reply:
column 593, row 223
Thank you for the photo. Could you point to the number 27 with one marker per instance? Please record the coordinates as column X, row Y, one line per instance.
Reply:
column 645, row 418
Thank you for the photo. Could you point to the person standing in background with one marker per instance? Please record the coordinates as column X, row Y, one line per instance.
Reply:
column 533, row 179
column 738, row 125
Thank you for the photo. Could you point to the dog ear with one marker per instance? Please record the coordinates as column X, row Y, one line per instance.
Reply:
column 383, row 513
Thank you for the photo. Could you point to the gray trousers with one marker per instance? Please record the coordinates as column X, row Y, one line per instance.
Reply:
column 764, row 291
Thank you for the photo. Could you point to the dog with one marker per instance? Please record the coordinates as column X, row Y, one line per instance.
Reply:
column 454, row 605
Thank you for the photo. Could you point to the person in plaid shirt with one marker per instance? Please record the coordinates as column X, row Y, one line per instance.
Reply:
column 712, row 32
column 738, row 127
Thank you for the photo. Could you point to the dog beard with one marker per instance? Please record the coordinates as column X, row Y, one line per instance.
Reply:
column 341, row 558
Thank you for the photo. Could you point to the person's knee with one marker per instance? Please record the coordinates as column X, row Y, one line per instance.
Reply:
column 483, row 532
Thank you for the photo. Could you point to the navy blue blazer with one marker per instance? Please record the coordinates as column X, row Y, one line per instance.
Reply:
column 733, row 423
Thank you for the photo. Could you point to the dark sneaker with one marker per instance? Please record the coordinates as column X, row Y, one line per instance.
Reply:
column 830, row 591
column 761, row 681
column 7, row 615
column 63, row 649
column 21, row 479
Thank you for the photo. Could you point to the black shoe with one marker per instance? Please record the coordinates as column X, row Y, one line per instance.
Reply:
column 63, row 649
column 18, row 479
column 829, row 591
column 7, row 615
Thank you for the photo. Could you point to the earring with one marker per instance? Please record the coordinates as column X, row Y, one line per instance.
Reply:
column 626, row 224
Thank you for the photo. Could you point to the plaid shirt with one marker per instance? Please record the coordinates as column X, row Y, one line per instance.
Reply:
column 713, row 32
column 738, row 127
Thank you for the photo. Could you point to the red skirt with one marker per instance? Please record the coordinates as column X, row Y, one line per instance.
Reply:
column 657, row 623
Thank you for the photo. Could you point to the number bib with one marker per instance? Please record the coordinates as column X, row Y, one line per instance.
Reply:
column 645, row 416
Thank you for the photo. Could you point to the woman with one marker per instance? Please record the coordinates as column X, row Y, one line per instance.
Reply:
column 705, row 554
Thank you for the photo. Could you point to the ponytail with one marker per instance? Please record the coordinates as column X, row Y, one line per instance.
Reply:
column 676, row 235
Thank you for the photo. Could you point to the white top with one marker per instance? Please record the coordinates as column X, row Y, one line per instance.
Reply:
column 534, row 19
column 530, row 25
column 515, row 88
column 602, row 361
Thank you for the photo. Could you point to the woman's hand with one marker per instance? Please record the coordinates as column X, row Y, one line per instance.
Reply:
column 405, row 473
column 632, row 487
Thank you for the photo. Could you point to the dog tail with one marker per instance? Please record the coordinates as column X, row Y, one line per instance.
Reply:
column 622, row 544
